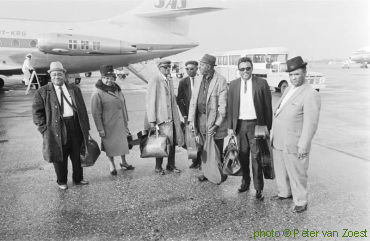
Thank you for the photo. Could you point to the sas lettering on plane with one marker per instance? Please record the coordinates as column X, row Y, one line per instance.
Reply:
column 172, row 4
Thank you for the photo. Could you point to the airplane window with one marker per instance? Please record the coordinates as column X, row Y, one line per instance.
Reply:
column 70, row 45
column 74, row 44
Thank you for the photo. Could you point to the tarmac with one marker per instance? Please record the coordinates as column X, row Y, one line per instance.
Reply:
column 140, row 205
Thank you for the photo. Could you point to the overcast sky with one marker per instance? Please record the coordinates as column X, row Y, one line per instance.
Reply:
column 315, row 29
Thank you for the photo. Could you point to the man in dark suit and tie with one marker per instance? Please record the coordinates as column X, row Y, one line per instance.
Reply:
column 60, row 114
column 249, row 104
column 184, row 92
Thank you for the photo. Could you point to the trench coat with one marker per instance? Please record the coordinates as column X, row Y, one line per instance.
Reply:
column 161, row 106
column 110, row 115
column 49, row 121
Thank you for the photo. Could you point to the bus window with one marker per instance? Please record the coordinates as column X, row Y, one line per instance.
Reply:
column 259, row 58
column 283, row 67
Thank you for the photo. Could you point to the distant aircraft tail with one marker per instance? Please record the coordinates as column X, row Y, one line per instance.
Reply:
column 167, row 11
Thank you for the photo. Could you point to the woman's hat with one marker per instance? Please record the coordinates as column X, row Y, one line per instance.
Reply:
column 54, row 66
column 295, row 63
column 107, row 70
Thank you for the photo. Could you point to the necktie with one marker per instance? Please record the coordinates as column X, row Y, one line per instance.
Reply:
column 245, row 86
column 61, row 100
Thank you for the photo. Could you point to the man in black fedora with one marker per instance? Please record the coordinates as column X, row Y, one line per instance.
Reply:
column 207, row 117
column 296, row 118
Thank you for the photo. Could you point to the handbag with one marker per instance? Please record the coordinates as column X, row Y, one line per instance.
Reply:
column 156, row 146
column 266, row 158
column 192, row 147
column 89, row 156
column 166, row 128
column 231, row 165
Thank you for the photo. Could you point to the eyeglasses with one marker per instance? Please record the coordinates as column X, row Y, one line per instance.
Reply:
column 189, row 68
column 245, row 69
column 165, row 66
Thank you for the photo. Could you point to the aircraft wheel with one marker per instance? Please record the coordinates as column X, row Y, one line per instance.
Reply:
column 1, row 83
column 88, row 74
column 77, row 81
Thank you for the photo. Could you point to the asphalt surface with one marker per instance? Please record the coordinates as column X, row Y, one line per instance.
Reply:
column 140, row 205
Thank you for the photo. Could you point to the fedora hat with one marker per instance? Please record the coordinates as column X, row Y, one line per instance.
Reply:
column 295, row 63
column 107, row 70
column 164, row 62
column 209, row 59
column 54, row 66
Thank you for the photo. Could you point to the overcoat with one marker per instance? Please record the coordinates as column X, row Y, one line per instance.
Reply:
column 161, row 105
column 110, row 115
column 49, row 121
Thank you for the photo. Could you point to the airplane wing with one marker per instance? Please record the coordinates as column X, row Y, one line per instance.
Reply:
column 177, row 12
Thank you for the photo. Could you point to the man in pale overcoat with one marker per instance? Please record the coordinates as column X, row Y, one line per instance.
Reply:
column 60, row 114
column 162, row 110
column 296, row 118
column 207, row 114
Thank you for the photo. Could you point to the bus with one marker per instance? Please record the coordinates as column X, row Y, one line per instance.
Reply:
column 268, row 63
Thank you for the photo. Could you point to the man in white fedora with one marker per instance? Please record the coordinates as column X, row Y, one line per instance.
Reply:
column 60, row 114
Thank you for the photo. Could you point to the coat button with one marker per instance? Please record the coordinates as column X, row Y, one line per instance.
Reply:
column 57, row 135
column 56, row 106
column 56, row 121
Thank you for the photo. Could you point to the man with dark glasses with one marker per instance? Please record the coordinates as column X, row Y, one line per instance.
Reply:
column 184, row 92
column 249, row 104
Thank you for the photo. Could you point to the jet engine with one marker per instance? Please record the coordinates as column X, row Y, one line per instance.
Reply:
column 82, row 45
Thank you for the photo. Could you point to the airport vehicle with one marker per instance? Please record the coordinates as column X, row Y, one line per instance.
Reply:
column 156, row 30
column 268, row 63
column 361, row 56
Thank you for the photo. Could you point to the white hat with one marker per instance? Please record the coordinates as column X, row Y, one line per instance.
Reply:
column 54, row 66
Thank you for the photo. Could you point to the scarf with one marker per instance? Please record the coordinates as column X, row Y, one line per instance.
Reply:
column 100, row 85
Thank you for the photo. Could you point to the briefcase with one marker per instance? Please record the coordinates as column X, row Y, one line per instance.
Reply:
column 266, row 158
column 88, row 157
column 231, row 165
column 155, row 145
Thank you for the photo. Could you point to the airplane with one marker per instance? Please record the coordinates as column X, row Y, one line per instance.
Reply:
column 155, row 29
column 361, row 56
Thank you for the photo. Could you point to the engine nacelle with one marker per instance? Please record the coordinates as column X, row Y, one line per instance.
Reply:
column 82, row 45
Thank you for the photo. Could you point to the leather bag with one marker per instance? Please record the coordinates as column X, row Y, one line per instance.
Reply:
column 88, row 157
column 231, row 165
column 191, row 144
column 263, row 141
column 155, row 145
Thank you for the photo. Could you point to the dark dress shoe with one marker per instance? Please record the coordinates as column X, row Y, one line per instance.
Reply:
column 259, row 195
column 173, row 169
column 299, row 209
column 194, row 165
column 129, row 167
column 159, row 171
column 113, row 173
column 202, row 178
column 82, row 182
column 243, row 188
column 278, row 198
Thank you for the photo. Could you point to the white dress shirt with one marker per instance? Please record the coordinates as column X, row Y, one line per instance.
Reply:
column 191, row 83
column 68, row 111
column 246, row 109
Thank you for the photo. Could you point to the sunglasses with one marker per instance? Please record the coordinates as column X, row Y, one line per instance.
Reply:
column 165, row 66
column 245, row 69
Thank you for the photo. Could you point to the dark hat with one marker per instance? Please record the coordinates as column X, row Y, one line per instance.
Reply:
column 107, row 70
column 295, row 63
column 193, row 62
column 209, row 59
column 164, row 62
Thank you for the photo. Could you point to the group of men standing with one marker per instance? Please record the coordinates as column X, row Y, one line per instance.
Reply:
column 211, row 107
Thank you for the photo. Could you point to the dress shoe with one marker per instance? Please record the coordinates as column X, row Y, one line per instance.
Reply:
column 173, row 169
column 82, row 182
column 160, row 171
column 278, row 198
column 299, row 209
column 202, row 178
column 259, row 195
column 243, row 188
column 114, row 172
column 63, row 186
column 129, row 167
column 194, row 165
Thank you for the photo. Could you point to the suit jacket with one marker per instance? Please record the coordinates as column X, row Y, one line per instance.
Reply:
column 159, row 99
column 261, row 100
column 47, row 117
column 296, row 123
column 216, row 105
column 184, row 96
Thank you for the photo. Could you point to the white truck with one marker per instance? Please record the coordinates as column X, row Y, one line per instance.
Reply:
column 278, row 79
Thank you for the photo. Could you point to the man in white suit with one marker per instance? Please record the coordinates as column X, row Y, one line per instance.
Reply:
column 296, row 118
